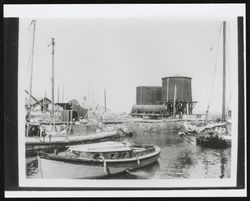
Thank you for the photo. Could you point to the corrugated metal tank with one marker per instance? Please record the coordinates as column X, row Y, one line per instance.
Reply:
column 183, row 88
column 148, row 95
column 149, row 109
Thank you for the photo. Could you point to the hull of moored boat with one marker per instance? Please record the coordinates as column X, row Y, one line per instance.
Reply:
column 63, row 169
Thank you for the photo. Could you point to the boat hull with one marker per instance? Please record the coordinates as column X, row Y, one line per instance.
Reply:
column 35, row 144
column 213, row 142
column 50, row 168
column 67, row 139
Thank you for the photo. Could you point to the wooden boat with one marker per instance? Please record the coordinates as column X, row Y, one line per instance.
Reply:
column 36, row 144
column 45, row 136
column 213, row 135
column 211, row 140
column 68, row 139
column 96, row 160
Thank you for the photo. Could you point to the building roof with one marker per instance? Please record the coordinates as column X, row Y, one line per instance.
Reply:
column 150, row 86
column 33, row 102
column 177, row 76
column 66, row 106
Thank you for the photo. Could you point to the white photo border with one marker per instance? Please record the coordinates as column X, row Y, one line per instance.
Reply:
column 220, row 11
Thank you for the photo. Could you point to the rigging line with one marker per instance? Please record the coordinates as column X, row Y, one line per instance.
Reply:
column 217, row 51
column 30, row 52
column 31, row 35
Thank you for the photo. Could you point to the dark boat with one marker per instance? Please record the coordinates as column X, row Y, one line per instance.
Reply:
column 211, row 140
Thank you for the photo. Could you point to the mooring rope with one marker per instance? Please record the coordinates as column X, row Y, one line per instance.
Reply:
column 105, row 167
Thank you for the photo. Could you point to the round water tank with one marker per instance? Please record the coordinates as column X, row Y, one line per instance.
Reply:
column 148, row 95
column 183, row 88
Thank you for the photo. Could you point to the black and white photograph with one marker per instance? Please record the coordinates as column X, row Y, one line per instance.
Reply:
column 124, row 99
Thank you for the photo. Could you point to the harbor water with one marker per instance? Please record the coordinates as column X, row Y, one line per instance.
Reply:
column 178, row 159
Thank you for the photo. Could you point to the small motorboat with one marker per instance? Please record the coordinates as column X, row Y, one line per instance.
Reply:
column 96, row 160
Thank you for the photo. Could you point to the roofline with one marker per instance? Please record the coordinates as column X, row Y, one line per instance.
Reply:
column 176, row 77
column 151, row 86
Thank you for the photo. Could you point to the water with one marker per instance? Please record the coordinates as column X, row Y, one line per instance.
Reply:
column 178, row 159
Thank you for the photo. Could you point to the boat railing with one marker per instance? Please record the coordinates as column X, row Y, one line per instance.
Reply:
column 144, row 152
column 97, row 155
column 109, row 155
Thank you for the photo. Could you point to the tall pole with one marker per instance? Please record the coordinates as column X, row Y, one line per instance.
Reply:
column 167, row 88
column 45, row 96
column 224, row 72
column 52, row 80
column 105, row 101
column 174, row 100
column 88, row 99
column 33, row 22
column 63, row 93
column 58, row 94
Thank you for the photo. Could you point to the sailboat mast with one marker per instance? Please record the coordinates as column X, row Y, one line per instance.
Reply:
column 224, row 72
column 52, row 79
column 63, row 93
column 88, row 101
column 174, row 109
column 58, row 94
column 32, row 62
column 105, row 101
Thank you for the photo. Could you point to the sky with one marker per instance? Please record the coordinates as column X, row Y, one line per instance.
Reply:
column 119, row 54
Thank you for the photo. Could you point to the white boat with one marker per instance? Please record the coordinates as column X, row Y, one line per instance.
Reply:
column 97, row 160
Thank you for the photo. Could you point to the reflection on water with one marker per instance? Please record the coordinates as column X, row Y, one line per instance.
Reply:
column 178, row 159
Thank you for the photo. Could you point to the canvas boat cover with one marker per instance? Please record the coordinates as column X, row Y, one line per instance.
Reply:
column 197, row 129
column 210, row 126
column 108, row 146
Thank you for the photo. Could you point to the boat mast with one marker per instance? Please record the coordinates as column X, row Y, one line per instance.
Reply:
column 63, row 93
column 33, row 22
column 105, row 101
column 58, row 94
column 174, row 109
column 52, row 80
column 88, row 101
column 224, row 72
